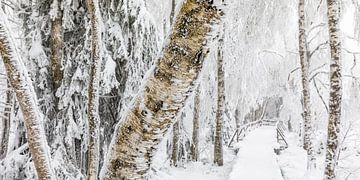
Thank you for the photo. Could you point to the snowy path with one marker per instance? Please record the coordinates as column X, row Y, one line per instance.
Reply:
column 256, row 159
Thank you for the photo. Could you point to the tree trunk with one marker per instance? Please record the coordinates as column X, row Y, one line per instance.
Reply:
column 172, row 13
column 218, row 148
column 335, row 96
column 196, row 123
column 175, row 144
column 155, row 108
column 6, row 124
column 93, row 101
column 304, row 62
column 25, row 94
column 56, row 45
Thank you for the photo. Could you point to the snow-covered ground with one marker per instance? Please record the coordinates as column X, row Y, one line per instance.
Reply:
column 256, row 159
column 199, row 170
column 293, row 162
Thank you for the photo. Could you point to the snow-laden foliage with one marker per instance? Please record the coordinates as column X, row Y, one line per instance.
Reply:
column 261, row 61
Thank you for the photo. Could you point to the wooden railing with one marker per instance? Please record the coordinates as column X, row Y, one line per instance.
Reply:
column 244, row 129
column 241, row 132
column 280, row 135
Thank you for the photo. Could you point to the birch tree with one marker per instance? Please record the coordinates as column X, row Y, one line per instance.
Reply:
column 170, row 82
column 25, row 94
column 335, row 97
column 93, row 101
column 196, row 125
column 304, row 62
column 175, row 144
column 56, row 43
column 218, row 148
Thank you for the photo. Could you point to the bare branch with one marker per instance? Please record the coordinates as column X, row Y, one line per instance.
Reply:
column 9, row 4
column 292, row 72
column 318, row 7
column 317, row 73
column 317, row 68
column 292, row 52
column 354, row 64
column 314, row 37
column 322, row 99
column 315, row 27
column 317, row 48
column 272, row 52
column 351, row 52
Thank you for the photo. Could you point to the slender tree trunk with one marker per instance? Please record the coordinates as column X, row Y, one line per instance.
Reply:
column 175, row 146
column 172, row 13
column 335, row 97
column 56, row 45
column 176, row 130
column 25, row 94
column 304, row 62
column 196, row 124
column 6, row 124
column 93, row 101
column 167, row 87
column 218, row 148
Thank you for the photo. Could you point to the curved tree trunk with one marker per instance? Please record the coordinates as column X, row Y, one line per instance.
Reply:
column 335, row 90
column 93, row 101
column 196, row 124
column 304, row 62
column 218, row 149
column 152, row 112
column 25, row 94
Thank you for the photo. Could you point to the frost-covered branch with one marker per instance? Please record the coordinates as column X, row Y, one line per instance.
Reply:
column 317, row 48
column 322, row 99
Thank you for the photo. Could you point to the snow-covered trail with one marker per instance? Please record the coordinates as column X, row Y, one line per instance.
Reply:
column 256, row 159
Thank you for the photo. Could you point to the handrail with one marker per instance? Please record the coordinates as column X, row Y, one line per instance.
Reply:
column 242, row 129
column 280, row 131
column 280, row 135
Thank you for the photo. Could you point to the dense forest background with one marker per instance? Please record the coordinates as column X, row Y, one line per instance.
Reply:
column 258, row 42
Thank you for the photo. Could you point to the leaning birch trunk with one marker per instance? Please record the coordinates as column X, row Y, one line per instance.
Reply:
column 335, row 96
column 56, row 45
column 304, row 62
column 218, row 148
column 6, row 124
column 25, row 94
column 195, row 134
column 93, row 101
column 169, row 84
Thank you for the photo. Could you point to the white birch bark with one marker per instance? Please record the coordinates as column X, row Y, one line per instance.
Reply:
column 25, row 94
column 335, row 97
column 93, row 92
column 304, row 63
column 167, row 87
